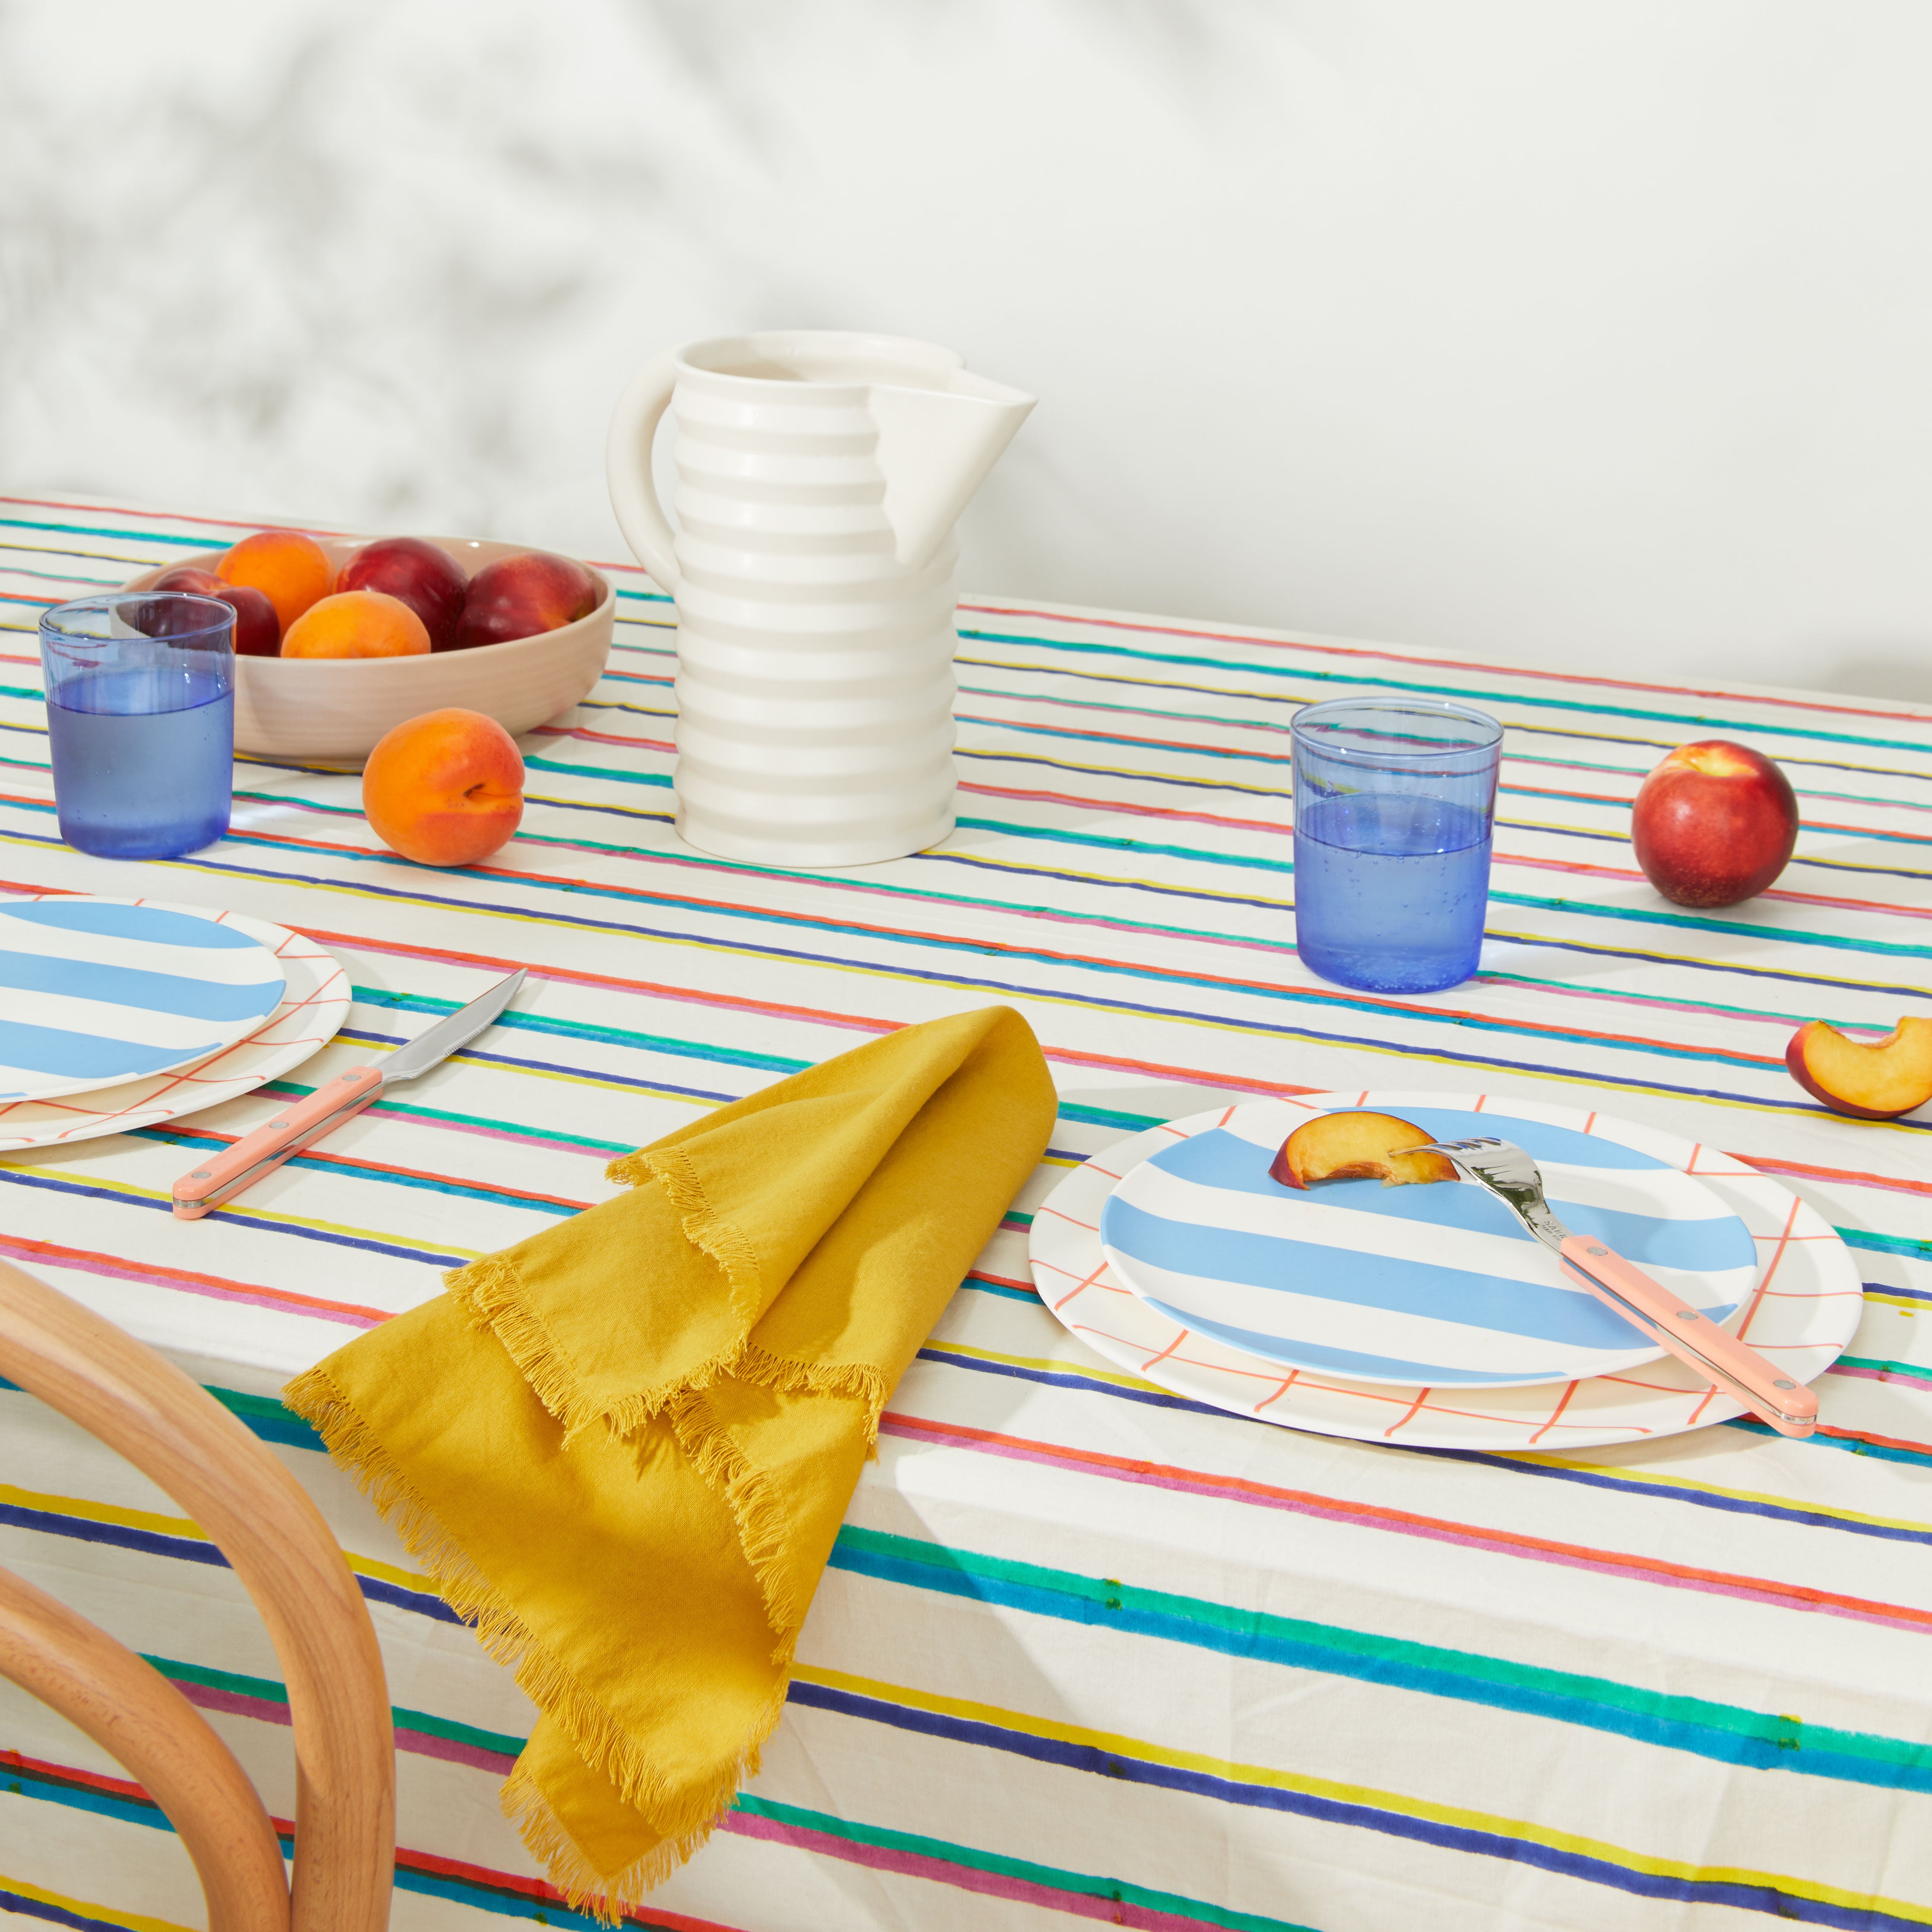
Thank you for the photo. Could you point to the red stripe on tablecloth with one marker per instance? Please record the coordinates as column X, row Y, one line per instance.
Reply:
column 1369, row 1515
column 90, row 1262
column 1491, row 670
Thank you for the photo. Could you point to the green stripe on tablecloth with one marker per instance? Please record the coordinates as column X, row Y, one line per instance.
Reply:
column 1729, row 1733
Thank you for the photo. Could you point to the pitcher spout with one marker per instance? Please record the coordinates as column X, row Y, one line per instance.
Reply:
column 936, row 446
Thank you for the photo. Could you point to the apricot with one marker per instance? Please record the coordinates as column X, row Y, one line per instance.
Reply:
column 1877, row 1081
column 292, row 571
column 1358, row 1147
column 356, row 624
column 445, row 789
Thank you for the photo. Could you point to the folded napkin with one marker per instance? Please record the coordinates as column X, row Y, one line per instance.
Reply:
column 622, row 1447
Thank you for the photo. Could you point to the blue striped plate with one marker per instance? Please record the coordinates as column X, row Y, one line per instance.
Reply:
column 94, row 991
column 1434, row 1284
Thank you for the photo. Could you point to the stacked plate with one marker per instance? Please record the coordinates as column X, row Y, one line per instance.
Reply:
column 1429, row 1315
column 121, row 1013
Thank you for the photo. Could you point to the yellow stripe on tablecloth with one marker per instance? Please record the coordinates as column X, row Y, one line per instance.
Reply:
column 81, row 1908
column 83, row 1509
column 130, row 1191
column 1395, row 1804
column 1063, row 1365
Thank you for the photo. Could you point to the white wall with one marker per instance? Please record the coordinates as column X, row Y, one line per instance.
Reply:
column 1598, row 332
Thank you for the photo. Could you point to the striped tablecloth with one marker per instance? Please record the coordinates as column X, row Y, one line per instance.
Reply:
column 1085, row 1652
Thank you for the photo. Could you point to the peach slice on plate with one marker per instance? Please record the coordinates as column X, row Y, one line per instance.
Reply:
column 1875, row 1082
column 1358, row 1147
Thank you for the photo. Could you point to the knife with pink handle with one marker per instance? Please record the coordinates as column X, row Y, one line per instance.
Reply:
column 1514, row 1179
column 223, row 1176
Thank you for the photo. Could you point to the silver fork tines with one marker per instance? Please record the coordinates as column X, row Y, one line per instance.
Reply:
column 1509, row 1173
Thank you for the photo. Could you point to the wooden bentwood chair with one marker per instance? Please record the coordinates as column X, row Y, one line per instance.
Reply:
column 150, row 1413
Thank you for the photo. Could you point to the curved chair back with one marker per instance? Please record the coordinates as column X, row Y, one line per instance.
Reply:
column 274, row 1538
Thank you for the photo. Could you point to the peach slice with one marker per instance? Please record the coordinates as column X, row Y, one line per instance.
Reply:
column 1875, row 1082
column 1358, row 1147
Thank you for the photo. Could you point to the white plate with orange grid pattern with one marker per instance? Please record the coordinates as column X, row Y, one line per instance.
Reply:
column 1801, row 1310
column 315, row 1002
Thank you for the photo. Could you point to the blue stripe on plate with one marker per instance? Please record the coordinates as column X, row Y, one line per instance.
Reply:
column 153, row 923
column 131, row 986
column 1544, row 1312
column 1351, row 1362
column 1219, row 1159
column 81, row 1056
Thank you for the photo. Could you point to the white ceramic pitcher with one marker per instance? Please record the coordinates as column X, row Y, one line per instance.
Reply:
column 819, row 476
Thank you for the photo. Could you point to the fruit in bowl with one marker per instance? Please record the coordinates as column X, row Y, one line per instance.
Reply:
column 258, row 630
column 429, row 581
column 1877, row 1081
column 445, row 789
column 290, row 568
column 523, row 594
column 1358, row 1147
column 357, row 624
column 315, row 710
column 1714, row 824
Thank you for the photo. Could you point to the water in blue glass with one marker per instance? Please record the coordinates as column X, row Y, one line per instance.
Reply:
column 1389, row 889
column 134, row 782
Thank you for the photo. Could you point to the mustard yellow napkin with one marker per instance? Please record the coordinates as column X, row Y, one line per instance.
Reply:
column 623, row 1447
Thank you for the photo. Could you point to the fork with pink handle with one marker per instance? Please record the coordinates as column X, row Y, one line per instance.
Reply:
column 1514, row 1177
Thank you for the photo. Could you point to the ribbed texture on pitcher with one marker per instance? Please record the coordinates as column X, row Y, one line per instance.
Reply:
column 814, row 673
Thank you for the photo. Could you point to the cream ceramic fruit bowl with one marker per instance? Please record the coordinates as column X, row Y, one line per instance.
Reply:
column 332, row 711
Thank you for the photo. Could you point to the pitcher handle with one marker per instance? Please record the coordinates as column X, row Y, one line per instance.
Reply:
column 627, row 464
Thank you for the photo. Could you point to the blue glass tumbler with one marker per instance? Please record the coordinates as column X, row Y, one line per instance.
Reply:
column 140, row 692
column 1394, row 809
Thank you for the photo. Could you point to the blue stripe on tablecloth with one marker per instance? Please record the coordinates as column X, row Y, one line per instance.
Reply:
column 163, row 1204
column 55, row 1915
column 190, row 1550
column 1770, row 1900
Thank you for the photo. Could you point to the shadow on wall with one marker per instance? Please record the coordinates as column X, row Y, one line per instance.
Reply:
column 392, row 265
column 297, row 277
column 1577, row 335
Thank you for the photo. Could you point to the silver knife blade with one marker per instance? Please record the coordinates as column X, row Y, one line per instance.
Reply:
column 432, row 1047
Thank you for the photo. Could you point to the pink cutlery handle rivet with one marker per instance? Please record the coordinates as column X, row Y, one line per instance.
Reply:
column 199, row 1174
column 1781, row 1383
column 1687, row 1315
column 1596, row 1251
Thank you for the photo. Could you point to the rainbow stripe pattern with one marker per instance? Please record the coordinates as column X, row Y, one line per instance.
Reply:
column 1089, row 1648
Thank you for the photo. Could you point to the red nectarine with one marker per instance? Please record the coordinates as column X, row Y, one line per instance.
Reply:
column 518, row 596
column 1714, row 823
column 429, row 581
column 258, row 630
